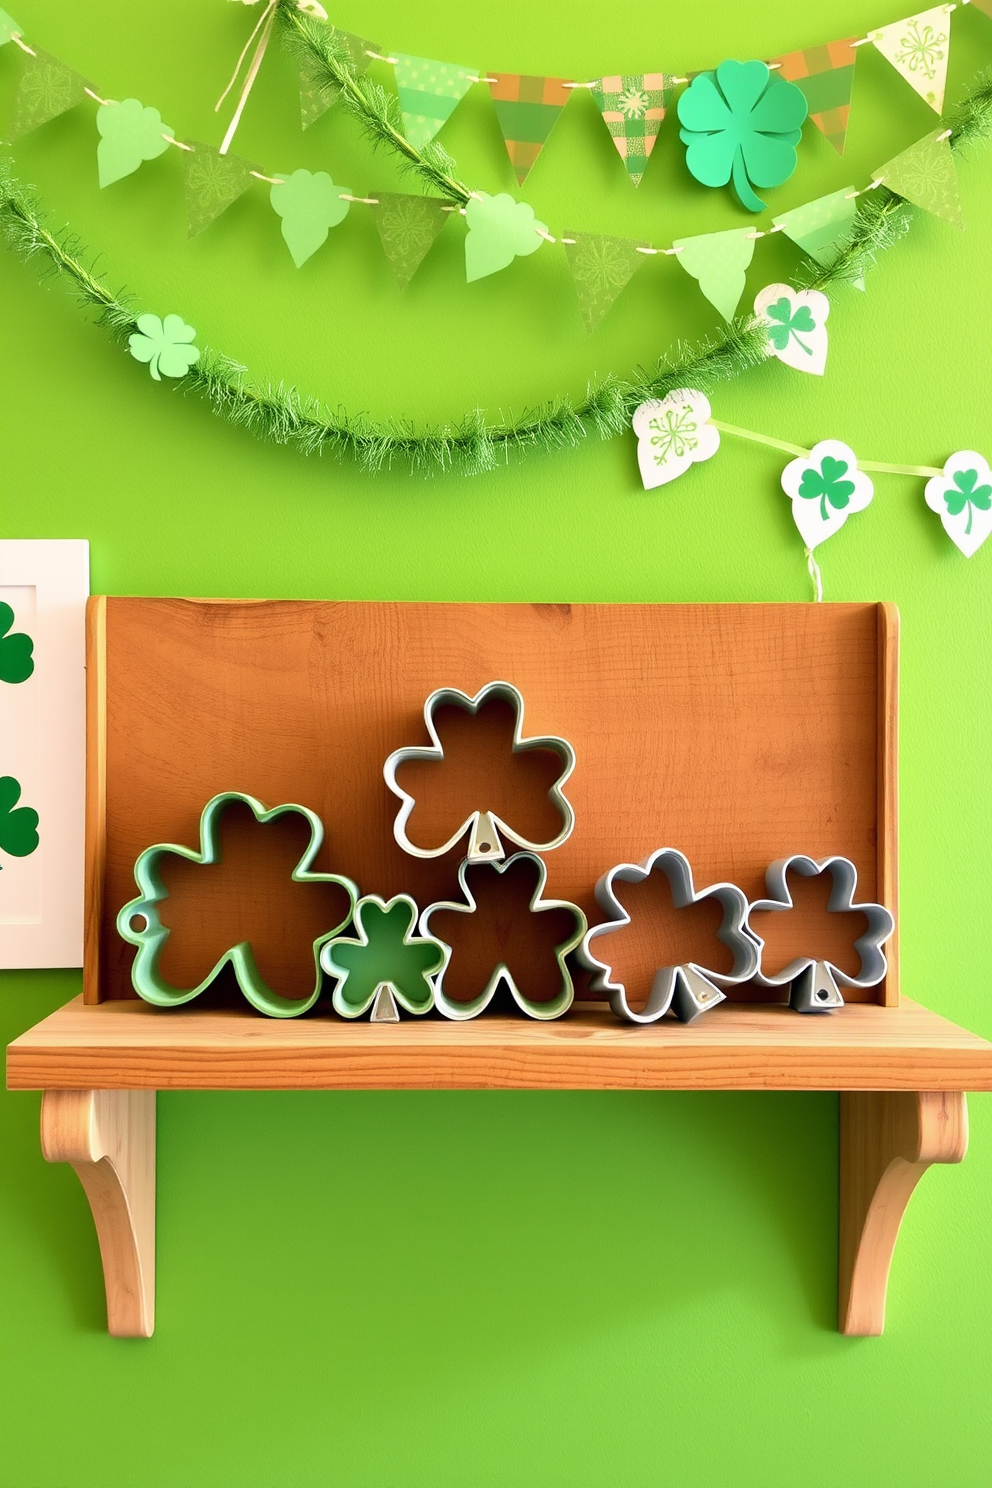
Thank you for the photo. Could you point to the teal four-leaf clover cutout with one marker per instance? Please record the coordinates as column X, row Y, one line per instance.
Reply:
column 166, row 345
column 787, row 324
column 741, row 123
column 386, row 954
column 966, row 492
column 827, row 484
column 18, row 824
column 16, row 659
column 129, row 134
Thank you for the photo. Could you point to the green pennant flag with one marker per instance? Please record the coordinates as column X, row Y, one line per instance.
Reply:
column 429, row 94
column 46, row 89
column 9, row 28
column 925, row 175
column 316, row 93
column 408, row 226
column 601, row 267
column 719, row 261
column 823, row 227
column 212, row 181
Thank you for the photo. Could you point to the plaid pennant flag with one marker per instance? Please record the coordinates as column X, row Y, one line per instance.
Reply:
column 985, row 6
column 429, row 94
column 46, row 89
column 826, row 76
column 527, row 109
column 317, row 96
column 601, row 267
column 633, row 106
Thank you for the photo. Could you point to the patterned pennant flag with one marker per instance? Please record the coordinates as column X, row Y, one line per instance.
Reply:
column 633, row 106
column 601, row 267
column 527, row 109
column 316, row 95
column 926, row 175
column 719, row 261
column 408, row 226
column 918, row 48
column 47, row 88
column 212, row 182
column 8, row 28
column 429, row 93
column 822, row 228
column 826, row 76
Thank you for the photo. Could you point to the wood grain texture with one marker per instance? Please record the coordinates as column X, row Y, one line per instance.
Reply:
column 887, row 807
column 109, row 1138
column 737, row 1046
column 96, row 796
column 887, row 1142
column 736, row 733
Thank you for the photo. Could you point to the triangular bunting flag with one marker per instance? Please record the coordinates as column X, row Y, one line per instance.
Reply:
column 317, row 96
column 718, row 261
column 408, row 226
column 926, row 175
column 826, row 76
column 633, row 106
column 527, row 109
column 212, row 182
column 822, row 227
column 46, row 89
column 8, row 28
column 918, row 48
column 601, row 267
column 429, row 93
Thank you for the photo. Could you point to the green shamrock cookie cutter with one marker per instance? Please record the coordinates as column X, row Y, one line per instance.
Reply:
column 150, row 939
column 387, row 964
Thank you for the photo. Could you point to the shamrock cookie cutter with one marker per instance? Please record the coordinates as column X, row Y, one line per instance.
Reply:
column 554, row 1007
column 814, row 984
column 688, row 989
column 484, row 827
column 393, row 975
column 151, row 937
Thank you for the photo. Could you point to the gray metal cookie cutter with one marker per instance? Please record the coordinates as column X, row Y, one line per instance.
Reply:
column 814, row 986
column 483, row 826
column 689, row 989
column 554, row 1007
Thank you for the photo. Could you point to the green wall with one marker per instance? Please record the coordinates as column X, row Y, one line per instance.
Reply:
column 429, row 1290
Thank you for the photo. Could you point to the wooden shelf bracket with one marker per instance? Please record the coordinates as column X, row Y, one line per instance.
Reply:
column 888, row 1139
column 109, row 1138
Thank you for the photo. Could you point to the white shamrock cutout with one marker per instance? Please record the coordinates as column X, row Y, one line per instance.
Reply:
column 672, row 434
column 826, row 486
column 796, row 322
column 962, row 498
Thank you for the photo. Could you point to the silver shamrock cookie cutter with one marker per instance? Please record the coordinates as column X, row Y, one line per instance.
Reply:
column 484, row 827
column 814, row 984
column 688, row 989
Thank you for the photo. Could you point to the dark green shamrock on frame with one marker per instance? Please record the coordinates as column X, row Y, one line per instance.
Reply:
column 387, row 964
column 18, row 824
column 962, row 497
column 741, row 123
column 826, row 486
column 16, row 659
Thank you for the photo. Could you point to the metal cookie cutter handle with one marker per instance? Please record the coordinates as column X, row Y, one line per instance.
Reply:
column 483, row 826
column 150, row 939
column 554, row 1007
column 814, row 984
column 689, row 989
column 405, row 981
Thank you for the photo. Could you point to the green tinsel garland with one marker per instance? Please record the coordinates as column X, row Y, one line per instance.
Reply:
column 282, row 415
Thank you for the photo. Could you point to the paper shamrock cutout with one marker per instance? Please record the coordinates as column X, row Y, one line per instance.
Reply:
column 165, row 345
column 500, row 229
column 687, row 990
column 741, row 123
column 962, row 498
column 814, row 983
column 483, row 824
column 129, row 134
column 387, row 964
column 310, row 205
column 18, row 824
column 718, row 261
column 150, row 935
column 672, row 434
column 826, row 486
column 796, row 321
column 16, row 659
column 525, row 876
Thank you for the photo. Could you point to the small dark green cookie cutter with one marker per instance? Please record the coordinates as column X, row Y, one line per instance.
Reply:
column 150, row 940
column 392, row 987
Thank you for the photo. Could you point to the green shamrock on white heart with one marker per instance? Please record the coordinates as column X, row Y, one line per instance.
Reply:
column 309, row 204
column 500, row 229
column 129, row 134
column 165, row 345
column 796, row 322
column 962, row 498
column 826, row 486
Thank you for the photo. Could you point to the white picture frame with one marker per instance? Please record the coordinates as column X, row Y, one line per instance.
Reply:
column 43, row 748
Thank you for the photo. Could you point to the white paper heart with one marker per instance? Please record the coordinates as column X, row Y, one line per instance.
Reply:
column 796, row 321
column 962, row 498
column 672, row 434
column 826, row 486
